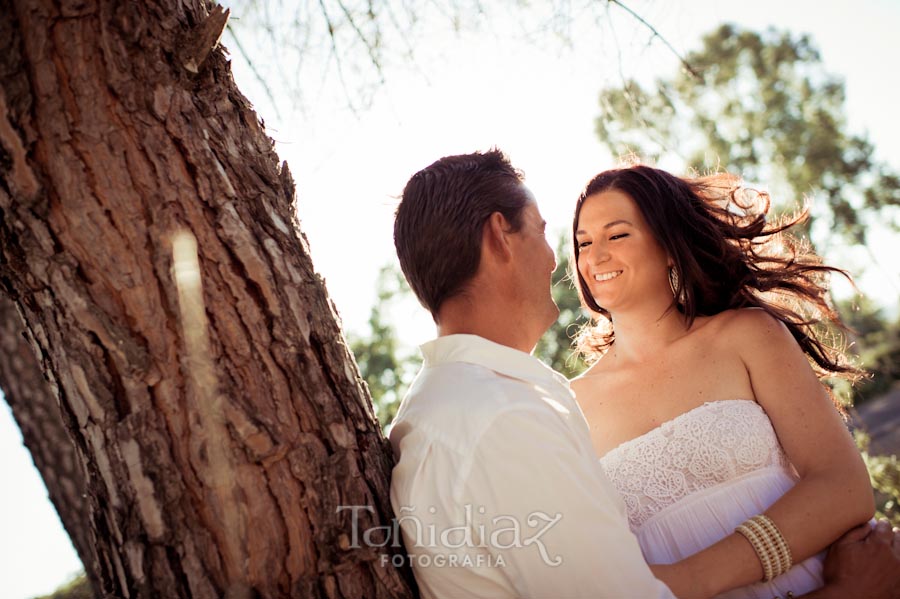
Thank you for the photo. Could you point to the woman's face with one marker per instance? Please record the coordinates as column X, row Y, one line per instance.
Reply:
column 618, row 256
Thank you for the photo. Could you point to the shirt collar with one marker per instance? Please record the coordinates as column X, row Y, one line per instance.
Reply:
column 502, row 359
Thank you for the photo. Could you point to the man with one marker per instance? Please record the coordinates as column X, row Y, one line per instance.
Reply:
column 497, row 488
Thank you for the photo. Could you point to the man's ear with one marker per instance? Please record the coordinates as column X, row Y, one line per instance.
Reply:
column 496, row 236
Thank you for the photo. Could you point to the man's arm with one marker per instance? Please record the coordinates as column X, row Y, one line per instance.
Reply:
column 529, row 472
column 865, row 562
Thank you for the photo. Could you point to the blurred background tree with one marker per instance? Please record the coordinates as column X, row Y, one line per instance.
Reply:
column 876, row 340
column 387, row 368
column 761, row 105
column 555, row 347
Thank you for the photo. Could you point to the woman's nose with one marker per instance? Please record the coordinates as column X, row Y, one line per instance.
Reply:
column 599, row 254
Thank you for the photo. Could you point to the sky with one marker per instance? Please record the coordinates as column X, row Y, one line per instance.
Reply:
column 536, row 100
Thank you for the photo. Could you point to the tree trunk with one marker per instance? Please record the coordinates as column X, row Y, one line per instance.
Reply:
column 221, row 431
column 36, row 411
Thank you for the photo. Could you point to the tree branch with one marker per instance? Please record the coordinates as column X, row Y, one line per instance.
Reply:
column 657, row 34
column 253, row 69
column 337, row 56
column 372, row 50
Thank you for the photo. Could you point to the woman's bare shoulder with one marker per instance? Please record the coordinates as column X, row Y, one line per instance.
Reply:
column 751, row 328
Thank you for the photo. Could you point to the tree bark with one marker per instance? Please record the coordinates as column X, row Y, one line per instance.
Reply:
column 37, row 413
column 217, row 455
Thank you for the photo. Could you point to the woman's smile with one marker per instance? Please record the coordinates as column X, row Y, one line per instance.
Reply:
column 607, row 276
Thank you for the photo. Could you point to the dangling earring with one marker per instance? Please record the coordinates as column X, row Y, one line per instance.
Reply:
column 673, row 285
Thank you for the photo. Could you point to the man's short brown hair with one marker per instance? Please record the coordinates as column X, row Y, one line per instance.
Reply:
column 439, row 222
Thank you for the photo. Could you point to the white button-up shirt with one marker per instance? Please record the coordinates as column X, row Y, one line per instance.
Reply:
column 497, row 488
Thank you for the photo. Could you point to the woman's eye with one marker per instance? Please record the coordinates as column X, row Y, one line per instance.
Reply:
column 619, row 236
column 583, row 244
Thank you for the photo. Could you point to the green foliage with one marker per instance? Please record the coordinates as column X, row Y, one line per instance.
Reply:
column 876, row 340
column 555, row 347
column 765, row 106
column 884, row 472
column 77, row 588
column 386, row 370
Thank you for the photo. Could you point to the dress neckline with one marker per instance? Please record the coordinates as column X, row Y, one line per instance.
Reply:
column 673, row 420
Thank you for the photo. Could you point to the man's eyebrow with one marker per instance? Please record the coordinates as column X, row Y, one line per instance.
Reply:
column 621, row 221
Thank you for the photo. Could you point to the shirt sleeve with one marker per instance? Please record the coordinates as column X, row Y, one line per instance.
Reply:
column 549, row 516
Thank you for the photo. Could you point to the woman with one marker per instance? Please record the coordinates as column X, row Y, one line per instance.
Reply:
column 702, row 400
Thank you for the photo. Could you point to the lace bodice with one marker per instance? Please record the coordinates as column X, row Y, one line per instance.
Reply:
column 704, row 447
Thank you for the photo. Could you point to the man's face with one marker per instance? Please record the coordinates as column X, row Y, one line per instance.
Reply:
column 534, row 264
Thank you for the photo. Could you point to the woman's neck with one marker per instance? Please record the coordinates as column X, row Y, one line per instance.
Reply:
column 641, row 335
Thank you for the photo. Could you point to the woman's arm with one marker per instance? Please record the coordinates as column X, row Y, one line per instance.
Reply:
column 833, row 493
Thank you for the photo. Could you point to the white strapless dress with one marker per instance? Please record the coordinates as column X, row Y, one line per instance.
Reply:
column 691, row 481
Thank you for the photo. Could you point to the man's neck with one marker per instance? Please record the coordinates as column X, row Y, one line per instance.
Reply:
column 486, row 319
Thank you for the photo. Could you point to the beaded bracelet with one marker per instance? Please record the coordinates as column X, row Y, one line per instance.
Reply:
column 781, row 546
column 769, row 544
